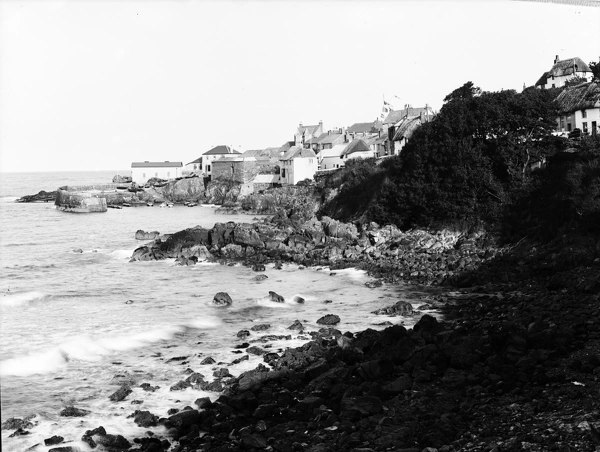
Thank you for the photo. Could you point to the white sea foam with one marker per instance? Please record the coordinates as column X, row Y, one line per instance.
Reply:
column 121, row 254
column 85, row 348
column 20, row 299
column 266, row 303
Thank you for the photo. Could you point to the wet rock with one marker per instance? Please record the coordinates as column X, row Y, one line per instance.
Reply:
column 297, row 325
column 373, row 284
column 53, row 440
column 258, row 268
column 120, row 393
column 145, row 418
column 253, row 441
column 110, row 441
column 14, row 423
column 243, row 334
column 400, row 308
column 203, row 402
column 298, row 299
column 64, row 449
column 19, row 432
column 181, row 385
column 208, row 360
column 71, row 411
column 186, row 261
column 260, row 278
column 355, row 408
column 329, row 319
column 222, row 299
column 148, row 387
column 184, row 418
column 261, row 327
column 276, row 297
column 256, row 351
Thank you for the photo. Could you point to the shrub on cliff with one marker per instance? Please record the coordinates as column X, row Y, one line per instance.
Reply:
column 462, row 169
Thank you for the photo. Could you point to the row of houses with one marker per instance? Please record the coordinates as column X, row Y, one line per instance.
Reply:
column 314, row 149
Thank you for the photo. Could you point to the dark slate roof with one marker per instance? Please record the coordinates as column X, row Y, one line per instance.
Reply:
column 396, row 116
column 221, row 149
column 406, row 128
column 198, row 160
column 297, row 152
column 564, row 67
column 357, row 145
column 330, row 138
column 586, row 95
column 364, row 127
column 165, row 164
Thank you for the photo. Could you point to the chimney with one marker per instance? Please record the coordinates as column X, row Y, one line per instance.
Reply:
column 556, row 60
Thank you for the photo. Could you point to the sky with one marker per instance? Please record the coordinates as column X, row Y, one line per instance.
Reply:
column 96, row 85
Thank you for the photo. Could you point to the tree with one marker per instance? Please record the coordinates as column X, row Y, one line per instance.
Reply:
column 595, row 67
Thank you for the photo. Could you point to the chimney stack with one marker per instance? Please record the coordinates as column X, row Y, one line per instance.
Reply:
column 556, row 60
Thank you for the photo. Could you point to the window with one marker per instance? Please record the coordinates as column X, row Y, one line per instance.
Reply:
column 584, row 124
column 562, row 123
column 283, row 173
column 553, row 85
column 584, row 113
column 208, row 168
column 569, row 127
column 594, row 128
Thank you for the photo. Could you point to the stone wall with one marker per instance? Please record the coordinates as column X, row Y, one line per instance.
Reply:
column 243, row 171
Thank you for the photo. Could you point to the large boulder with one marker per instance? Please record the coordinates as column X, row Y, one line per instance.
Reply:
column 222, row 299
column 183, row 190
column 329, row 319
column 275, row 297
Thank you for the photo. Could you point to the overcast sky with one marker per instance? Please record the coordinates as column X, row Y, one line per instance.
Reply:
column 94, row 85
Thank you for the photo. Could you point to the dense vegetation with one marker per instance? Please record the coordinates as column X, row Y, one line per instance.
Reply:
column 474, row 166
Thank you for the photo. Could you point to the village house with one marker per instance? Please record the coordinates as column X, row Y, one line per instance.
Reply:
column 563, row 71
column 297, row 164
column 214, row 154
column 142, row 171
column 579, row 108
column 331, row 158
column 194, row 167
column 327, row 140
column 364, row 129
column 306, row 134
column 401, row 124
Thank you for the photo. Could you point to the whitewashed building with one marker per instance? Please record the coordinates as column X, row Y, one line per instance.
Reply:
column 579, row 108
column 563, row 71
column 297, row 164
column 142, row 171
column 215, row 154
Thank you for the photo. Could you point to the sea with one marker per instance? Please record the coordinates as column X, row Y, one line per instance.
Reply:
column 78, row 319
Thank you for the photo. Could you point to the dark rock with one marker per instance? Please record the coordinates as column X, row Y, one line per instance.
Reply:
column 400, row 308
column 256, row 351
column 260, row 278
column 71, row 411
column 42, row 196
column 329, row 319
column 298, row 299
column 203, row 402
column 208, row 360
column 258, row 268
column 253, row 441
column 242, row 334
column 184, row 418
column 64, row 449
column 19, row 432
column 53, row 440
column 276, row 297
column 222, row 299
column 260, row 327
column 109, row 441
column 355, row 408
column 181, row 385
column 373, row 284
column 148, row 387
column 145, row 418
column 120, row 393
column 297, row 325
column 14, row 423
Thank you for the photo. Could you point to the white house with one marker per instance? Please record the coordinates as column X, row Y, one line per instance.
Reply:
column 332, row 158
column 579, row 108
column 562, row 71
column 215, row 154
column 297, row 164
column 193, row 167
column 142, row 171
column 357, row 149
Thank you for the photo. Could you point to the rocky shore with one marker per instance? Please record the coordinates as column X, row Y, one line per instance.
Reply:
column 513, row 365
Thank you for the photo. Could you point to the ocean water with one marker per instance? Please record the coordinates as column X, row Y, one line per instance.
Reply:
column 78, row 319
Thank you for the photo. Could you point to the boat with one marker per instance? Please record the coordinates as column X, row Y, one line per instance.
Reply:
column 150, row 204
